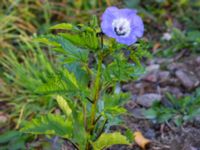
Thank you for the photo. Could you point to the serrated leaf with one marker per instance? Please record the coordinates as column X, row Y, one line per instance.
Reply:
column 72, row 52
column 63, row 26
column 108, row 139
column 71, row 77
column 115, row 111
column 61, row 82
column 50, row 124
column 135, row 59
column 119, row 70
column 64, row 105
column 80, row 73
column 45, row 41
column 118, row 99
column 79, row 127
column 54, row 84
column 7, row 136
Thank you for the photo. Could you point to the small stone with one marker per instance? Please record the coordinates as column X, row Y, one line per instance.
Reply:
column 151, row 77
column 163, row 76
column 174, row 82
column 127, row 87
column 130, row 105
column 176, row 66
column 167, row 36
column 147, row 100
column 150, row 134
column 3, row 118
column 198, row 60
column 163, row 60
column 197, row 121
column 187, row 79
column 153, row 67
column 173, row 90
column 138, row 113
column 197, row 71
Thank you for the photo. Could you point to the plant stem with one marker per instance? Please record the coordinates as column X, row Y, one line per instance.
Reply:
column 96, row 93
column 95, row 99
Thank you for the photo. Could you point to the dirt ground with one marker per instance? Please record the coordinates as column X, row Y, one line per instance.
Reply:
column 179, row 76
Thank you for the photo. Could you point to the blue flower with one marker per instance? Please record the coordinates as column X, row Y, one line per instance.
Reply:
column 122, row 24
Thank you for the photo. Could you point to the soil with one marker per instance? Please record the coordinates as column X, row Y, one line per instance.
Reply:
column 162, row 77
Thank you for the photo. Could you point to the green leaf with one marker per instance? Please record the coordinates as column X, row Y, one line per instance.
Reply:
column 7, row 136
column 135, row 59
column 72, row 52
column 115, row 111
column 108, row 139
column 193, row 113
column 129, row 134
column 54, row 84
column 150, row 113
column 119, row 69
column 79, row 127
column 115, row 99
column 63, row 26
column 193, row 36
column 61, row 82
column 64, row 105
column 71, row 77
column 13, row 140
column 45, row 41
column 112, row 105
column 81, row 73
column 165, row 115
column 50, row 124
column 76, row 39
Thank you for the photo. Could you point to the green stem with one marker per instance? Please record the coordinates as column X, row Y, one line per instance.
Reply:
column 95, row 99
column 96, row 93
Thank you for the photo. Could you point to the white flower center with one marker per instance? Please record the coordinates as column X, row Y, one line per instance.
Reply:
column 121, row 26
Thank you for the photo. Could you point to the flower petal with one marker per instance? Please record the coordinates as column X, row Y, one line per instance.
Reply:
column 137, row 26
column 110, row 13
column 128, row 40
column 127, row 13
column 108, row 16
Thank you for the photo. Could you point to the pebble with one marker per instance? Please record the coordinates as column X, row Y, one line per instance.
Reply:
column 198, row 60
column 153, row 67
column 147, row 100
column 188, row 80
column 163, row 76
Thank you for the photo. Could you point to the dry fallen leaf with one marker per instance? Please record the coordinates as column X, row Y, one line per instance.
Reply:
column 141, row 140
column 156, row 47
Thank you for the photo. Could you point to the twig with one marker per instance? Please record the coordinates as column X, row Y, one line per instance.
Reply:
column 97, row 119
column 75, row 146
column 102, row 129
column 89, row 100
